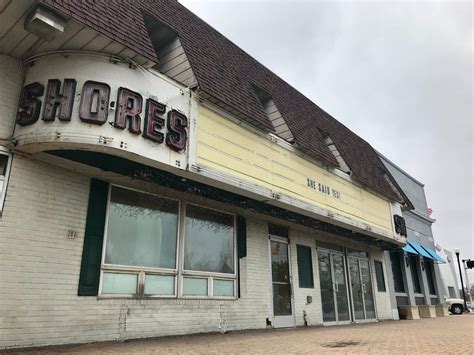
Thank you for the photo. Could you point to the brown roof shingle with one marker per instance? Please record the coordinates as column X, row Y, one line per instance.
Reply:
column 226, row 72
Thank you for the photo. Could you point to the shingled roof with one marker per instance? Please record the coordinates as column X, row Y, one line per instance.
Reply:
column 227, row 73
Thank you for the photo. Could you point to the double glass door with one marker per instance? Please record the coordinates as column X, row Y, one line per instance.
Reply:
column 361, row 289
column 334, row 291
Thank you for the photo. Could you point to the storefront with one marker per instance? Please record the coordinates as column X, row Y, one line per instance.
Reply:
column 415, row 273
column 136, row 205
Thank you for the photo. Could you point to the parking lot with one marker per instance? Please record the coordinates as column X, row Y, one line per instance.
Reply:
column 453, row 334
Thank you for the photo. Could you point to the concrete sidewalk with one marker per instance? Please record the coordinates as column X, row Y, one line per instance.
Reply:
column 453, row 334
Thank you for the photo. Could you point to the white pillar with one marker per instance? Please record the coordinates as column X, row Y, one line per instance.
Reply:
column 11, row 81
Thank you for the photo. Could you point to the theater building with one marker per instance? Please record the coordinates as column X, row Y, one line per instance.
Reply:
column 156, row 180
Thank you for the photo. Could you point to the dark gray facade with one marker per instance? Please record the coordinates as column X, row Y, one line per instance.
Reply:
column 414, row 280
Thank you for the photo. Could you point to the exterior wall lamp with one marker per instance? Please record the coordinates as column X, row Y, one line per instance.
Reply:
column 45, row 23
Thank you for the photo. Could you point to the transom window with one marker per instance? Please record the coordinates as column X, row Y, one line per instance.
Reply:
column 142, row 258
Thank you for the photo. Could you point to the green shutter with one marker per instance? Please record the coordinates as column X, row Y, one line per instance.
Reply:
column 305, row 266
column 93, row 239
column 241, row 236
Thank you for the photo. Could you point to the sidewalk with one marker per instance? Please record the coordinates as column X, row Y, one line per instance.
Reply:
column 453, row 334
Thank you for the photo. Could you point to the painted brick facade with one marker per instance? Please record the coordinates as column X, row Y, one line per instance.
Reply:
column 40, row 271
column 11, row 81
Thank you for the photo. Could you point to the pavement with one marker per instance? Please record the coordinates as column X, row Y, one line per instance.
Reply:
column 447, row 335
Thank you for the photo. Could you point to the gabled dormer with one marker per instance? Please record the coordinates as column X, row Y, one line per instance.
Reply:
column 333, row 149
column 281, row 128
column 172, row 59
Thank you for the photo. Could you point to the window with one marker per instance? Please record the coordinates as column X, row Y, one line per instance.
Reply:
column 141, row 248
column 209, row 244
column 430, row 276
column 397, row 272
column 141, row 238
column 415, row 273
column 380, row 276
column 305, row 266
column 209, row 248
column 278, row 230
column 328, row 246
column 5, row 162
column 452, row 292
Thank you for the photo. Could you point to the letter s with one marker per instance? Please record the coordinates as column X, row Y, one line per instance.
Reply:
column 177, row 136
column 30, row 104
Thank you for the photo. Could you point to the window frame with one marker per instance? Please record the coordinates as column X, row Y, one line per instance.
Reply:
column 178, row 272
column 6, row 177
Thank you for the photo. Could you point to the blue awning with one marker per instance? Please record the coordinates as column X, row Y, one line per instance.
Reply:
column 420, row 250
column 435, row 255
column 409, row 249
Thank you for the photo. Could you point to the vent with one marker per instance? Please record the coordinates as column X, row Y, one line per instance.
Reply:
column 172, row 60
column 281, row 128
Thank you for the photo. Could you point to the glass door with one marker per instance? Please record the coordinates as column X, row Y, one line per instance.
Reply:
column 361, row 287
column 333, row 284
column 341, row 292
column 367, row 289
column 281, row 285
column 327, row 287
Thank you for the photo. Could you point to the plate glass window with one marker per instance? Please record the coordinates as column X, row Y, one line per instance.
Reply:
column 209, row 240
column 193, row 286
column 118, row 283
column 281, row 279
column 141, row 230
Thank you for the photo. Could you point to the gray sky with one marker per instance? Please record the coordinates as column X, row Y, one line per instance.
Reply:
column 399, row 74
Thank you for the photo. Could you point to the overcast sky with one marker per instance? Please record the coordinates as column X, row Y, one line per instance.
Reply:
column 399, row 74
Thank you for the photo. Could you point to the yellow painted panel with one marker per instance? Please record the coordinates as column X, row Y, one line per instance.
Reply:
column 236, row 151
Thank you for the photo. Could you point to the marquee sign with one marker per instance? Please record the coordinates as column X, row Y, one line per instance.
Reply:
column 91, row 103
column 94, row 109
column 324, row 189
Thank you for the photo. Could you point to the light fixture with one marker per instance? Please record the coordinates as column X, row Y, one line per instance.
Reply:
column 45, row 23
column 456, row 251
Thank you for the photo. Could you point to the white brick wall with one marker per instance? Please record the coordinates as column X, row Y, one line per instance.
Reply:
column 40, row 272
column 382, row 299
column 313, row 310
column 11, row 79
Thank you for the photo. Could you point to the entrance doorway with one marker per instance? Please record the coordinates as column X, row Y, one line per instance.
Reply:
column 281, row 284
column 346, row 285
column 334, row 291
